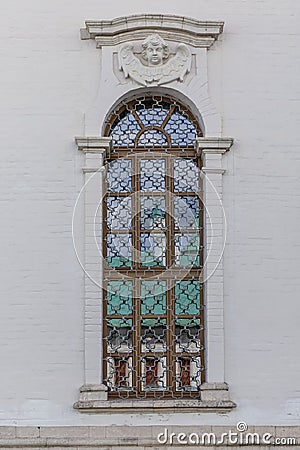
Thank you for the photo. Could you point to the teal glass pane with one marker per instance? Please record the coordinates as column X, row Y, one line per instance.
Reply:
column 119, row 250
column 153, row 297
column 187, row 297
column 186, row 212
column 187, row 250
column 119, row 297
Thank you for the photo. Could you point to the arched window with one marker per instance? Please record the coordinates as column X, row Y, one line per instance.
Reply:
column 153, row 248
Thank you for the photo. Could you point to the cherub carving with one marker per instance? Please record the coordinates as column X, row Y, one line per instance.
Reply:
column 156, row 72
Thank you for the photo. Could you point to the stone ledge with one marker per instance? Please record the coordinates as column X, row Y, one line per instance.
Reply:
column 159, row 406
column 211, row 397
column 136, row 27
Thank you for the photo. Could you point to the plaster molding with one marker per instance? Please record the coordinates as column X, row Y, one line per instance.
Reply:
column 189, row 31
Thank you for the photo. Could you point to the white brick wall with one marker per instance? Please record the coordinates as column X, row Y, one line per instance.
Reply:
column 49, row 81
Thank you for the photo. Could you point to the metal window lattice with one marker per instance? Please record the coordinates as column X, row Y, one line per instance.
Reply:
column 153, row 246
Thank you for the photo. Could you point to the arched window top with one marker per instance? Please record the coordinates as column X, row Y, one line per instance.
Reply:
column 149, row 122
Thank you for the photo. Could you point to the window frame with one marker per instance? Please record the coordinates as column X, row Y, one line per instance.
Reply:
column 214, row 393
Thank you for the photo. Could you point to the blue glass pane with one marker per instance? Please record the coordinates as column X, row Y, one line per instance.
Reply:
column 186, row 212
column 119, row 176
column 153, row 212
column 153, row 175
column 118, row 213
column 153, row 249
column 152, row 138
column 187, row 250
column 181, row 130
column 186, row 176
column 119, row 250
column 152, row 116
column 124, row 132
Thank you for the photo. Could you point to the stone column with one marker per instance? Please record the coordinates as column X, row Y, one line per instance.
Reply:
column 211, row 151
column 95, row 149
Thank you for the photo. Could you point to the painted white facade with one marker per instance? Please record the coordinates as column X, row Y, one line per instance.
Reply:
column 53, row 89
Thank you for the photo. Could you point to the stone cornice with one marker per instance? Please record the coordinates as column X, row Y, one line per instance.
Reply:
column 216, row 170
column 90, row 144
column 213, row 145
column 186, row 30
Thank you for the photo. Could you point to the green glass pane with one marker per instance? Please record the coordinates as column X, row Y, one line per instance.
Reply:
column 119, row 323
column 119, row 297
column 153, row 297
column 153, row 323
column 187, row 249
column 187, row 323
column 187, row 297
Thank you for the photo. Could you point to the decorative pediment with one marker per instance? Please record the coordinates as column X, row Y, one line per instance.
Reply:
column 189, row 31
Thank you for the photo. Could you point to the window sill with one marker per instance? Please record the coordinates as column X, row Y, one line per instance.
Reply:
column 214, row 397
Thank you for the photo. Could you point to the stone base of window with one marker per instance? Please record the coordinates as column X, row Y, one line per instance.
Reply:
column 212, row 397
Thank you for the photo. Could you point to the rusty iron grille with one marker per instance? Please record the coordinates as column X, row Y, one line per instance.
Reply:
column 153, row 308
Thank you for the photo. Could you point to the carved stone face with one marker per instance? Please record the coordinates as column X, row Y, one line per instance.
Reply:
column 154, row 54
column 155, row 50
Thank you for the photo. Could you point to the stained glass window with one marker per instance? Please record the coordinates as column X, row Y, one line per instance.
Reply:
column 153, row 243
